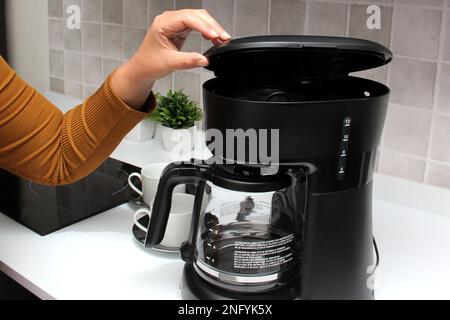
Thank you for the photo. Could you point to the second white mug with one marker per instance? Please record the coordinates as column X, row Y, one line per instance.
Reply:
column 149, row 177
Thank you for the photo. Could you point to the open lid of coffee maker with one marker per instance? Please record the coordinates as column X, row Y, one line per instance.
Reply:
column 295, row 56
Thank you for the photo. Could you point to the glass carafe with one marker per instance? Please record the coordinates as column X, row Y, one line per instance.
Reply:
column 248, row 235
column 247, row 238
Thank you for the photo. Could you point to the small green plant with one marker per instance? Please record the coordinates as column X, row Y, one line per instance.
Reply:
column 176, row 110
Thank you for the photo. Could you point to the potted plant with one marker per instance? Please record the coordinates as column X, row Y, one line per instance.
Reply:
column 177, row 115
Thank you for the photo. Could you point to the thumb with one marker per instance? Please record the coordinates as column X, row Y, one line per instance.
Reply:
column 188, row 60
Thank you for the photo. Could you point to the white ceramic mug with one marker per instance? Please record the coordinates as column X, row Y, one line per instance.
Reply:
column 149, row 177
column 179, row 224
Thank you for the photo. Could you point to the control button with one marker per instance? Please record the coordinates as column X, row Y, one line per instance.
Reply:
column 344, row 153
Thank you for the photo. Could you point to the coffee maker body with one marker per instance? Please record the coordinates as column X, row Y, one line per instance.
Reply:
column 327, row 126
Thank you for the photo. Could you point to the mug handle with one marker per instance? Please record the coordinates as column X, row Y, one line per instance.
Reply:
column 139, row 214
column 130, row 182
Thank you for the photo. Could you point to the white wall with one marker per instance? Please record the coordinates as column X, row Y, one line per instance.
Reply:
column 27, row 36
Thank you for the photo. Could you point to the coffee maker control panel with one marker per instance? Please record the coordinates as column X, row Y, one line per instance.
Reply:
column 343, row 153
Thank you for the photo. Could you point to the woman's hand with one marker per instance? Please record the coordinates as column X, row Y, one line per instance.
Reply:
column 160, row 54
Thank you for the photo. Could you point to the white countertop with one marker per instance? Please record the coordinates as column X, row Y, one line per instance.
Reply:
column 98, row 258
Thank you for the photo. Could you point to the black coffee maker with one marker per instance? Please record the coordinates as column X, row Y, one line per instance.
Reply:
column 304, row 230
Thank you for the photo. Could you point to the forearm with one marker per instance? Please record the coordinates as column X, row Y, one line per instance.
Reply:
column 131, row 84
column 40, row 143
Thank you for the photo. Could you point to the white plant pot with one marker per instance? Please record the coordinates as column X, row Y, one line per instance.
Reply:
column 178, row 141
column 142, row 132
column 158, row 132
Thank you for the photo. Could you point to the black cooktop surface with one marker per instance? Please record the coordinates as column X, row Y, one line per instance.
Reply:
column 46, row 209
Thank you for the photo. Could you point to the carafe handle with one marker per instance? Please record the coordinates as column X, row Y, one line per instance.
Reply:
column 173, row 175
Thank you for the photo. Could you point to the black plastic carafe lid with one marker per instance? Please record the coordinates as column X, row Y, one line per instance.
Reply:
column 295, row 56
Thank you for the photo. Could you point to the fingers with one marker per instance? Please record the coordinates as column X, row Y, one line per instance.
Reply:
column 223, row 35
column 173, row 22
column 187, row 60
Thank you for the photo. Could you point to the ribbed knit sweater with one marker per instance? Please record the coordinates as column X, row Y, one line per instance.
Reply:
column 40, row 143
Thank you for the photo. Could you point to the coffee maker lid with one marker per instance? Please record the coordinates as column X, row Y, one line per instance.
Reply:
column 295, row 56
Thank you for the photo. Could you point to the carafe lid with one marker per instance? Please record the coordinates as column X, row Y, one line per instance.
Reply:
column 295, row 56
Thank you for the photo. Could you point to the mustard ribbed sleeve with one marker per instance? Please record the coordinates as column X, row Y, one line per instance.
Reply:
column 40, row 143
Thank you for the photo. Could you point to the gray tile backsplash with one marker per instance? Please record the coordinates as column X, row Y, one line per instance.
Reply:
column 135, row 13
column 439, row 175
column 132, row 39
column 407, row 131
column 56, row 63
column 92, row 70
column 156, row 7
column 326, row 18
column 287, row 17
column 88, row 90
column 377, row 74
column 358, row 29
column 416, row 32
column 112, row 11
column 222, row 11
column 57, row 85
column 250, row 17
column 425, row 3
column 193, row 43
column 91, row 10
column 72, row 66
column 447, row 38
column 402, row 166
column 56, row 33
column 189, row 82
column 91, row 37
column 112, row 41
column 74, row 89
column 416, row 141
column 55, row 8
column 440, row 142
column 193, row 4
column 412, row 82
column 109, row 65
column 444, row 91
column 164, row 85
column 72, row 39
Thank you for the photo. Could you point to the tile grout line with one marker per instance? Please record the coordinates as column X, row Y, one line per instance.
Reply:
column 64, row 47
column 394, row 4
column 101, row 37
column 388, row 75
column 123, row 33
column 269, row 12
column 347, row 22
column 81, row 56
column 306, row 22
column 233, row 18
column 436, row 90
column 410, row 156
